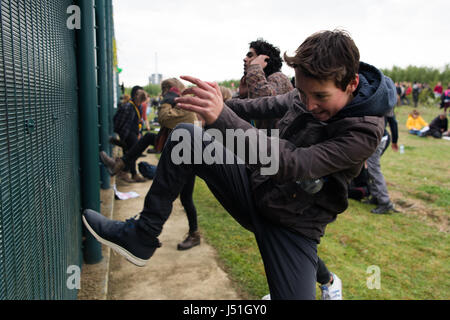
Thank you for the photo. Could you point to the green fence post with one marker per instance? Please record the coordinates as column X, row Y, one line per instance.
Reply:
column 109, row 56
column 89, row 135
column 103, row 87
column 115, row 70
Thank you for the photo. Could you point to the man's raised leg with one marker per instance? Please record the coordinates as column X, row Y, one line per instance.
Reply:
column 290, row 259
column 136, row 239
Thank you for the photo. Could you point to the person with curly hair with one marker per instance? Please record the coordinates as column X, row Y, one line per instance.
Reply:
column 263, row 76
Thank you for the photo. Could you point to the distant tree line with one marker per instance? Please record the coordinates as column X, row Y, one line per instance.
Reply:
column 409, row 74
column 419, row 74
column 230, row 83
column 153, row 90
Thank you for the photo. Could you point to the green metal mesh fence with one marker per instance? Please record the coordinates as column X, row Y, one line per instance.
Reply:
column 40, row 229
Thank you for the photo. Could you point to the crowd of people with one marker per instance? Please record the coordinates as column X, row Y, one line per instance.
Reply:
column 332, row 131
column 415, row 124
column 405, row 90
column 438, row 128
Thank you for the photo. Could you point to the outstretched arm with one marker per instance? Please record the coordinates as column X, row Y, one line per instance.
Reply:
column 293, row 163
column 265, row 107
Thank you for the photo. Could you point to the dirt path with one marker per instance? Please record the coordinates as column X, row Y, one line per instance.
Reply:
column 170, row 274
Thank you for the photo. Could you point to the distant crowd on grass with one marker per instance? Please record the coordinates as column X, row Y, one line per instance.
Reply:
column 438, row 128
column 415, row 124
column 421, row 93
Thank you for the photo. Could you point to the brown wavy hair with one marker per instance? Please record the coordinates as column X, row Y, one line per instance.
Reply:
column 226, row 93
column 327, row 55
column 168, row 84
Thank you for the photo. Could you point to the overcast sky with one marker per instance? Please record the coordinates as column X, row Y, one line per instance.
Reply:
column 209, row 38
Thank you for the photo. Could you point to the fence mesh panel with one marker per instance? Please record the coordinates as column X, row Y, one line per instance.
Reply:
column 40, row 229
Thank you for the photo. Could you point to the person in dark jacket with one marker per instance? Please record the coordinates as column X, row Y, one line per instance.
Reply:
column 127, row 123
column 417, row 88
column 330, row 125
column 438, row 126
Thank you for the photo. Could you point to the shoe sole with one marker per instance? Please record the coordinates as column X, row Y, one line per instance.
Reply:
column 127, row 255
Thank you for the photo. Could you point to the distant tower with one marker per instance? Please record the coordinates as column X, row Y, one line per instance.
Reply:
column 156, row 78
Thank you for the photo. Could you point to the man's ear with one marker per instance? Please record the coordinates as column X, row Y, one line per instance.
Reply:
column 353, row 85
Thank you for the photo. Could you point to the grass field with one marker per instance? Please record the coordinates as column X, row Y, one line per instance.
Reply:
column 411, row 248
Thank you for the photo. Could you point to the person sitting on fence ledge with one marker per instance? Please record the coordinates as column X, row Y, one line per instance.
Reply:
column 127, row 123
column 332, row 123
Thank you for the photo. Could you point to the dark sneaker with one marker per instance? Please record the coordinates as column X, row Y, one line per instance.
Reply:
column 384, row 208
column 122, row 237
column 192, row 240
column 112, row 165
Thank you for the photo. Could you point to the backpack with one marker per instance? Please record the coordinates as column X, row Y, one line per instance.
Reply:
column 147, row 170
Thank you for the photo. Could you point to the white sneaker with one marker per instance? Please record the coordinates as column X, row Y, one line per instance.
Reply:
column 333, row 291
column 266, row 297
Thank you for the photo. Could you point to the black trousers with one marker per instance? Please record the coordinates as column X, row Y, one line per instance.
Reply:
column 290, row 259
column 130, row 141
column 186, row 195
column 133, row 153
column 323, row 275
column 187, row 200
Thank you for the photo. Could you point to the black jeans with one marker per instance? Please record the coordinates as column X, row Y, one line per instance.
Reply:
column 130, row 141
column 133, row 153
column 323, row 275
column 290, row 259
column 186, row 195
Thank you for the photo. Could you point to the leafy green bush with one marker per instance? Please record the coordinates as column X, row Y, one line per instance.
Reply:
column 229, row 84
column 153, row 90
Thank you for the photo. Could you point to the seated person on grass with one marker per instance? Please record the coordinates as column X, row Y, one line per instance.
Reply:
column 438, row 126
column 415, row 123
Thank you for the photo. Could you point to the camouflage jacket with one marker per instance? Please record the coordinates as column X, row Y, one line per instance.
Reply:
column 259, row 86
